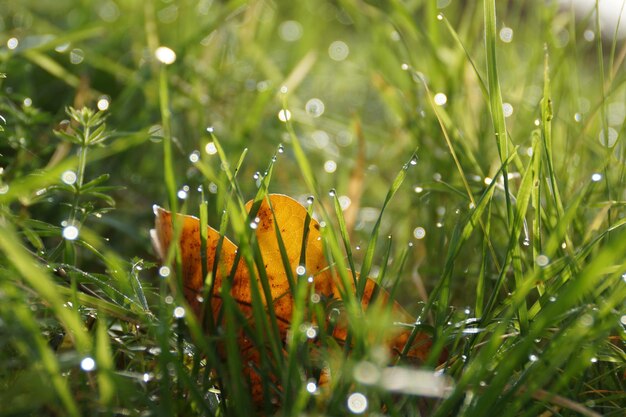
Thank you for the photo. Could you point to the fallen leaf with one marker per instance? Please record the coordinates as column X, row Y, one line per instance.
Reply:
column 290, row 218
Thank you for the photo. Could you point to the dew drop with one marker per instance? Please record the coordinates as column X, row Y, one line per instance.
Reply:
column 440, row 99
column 77, row 56
column 284, row 115
column 179, row 312
column 507, row 109
column 300, row 270
column 612, row 137
column 338, row 51
column 194, row 157
column 12, row 43
column 311, row 387
column 69, row 177
column 533, row 358
column 182, row 194
column 70, row 232
column 103, row 103
column 506, row 34
column 314, row 107
column 357, row 403
column 542, row 260
column 210, row 129
column 165, row 55
column 310, row 199
column 281, row 148
column 419, row 232
column 290, row 30
column 210, row 148
column 344, row 202
column 418, row 189
column 595, row 177
column 88, row 364
column 330, row 166
column 332, row 192
column 311, row 332
column 413, row 160
column 404, row 67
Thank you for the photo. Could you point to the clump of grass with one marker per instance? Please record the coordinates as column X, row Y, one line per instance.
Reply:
column 502, row 236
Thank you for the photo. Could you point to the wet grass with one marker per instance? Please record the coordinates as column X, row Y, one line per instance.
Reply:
column 502, row 234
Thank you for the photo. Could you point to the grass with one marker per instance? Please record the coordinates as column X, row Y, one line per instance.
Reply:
column 502, row 233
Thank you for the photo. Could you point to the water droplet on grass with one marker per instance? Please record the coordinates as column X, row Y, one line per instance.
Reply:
column 88, row 364
column 103, row 103
column 314, row 107
column 419, row 232
column 542, row 260
column 357, row 403
column 284, row 115
column 70, row 232
column 210, row 148
column 338, row 51
column 179, row 312
column 12, row 43
column 69, row 177
column 506, row 34
column 330, row 166
column 440, row 99
column 165, row 55
column 311, row 387
column 366, row 373
column 290, row 30
column 194, row 157
column 612, row 137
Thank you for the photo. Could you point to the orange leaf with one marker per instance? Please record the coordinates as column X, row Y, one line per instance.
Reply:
column 289, row 217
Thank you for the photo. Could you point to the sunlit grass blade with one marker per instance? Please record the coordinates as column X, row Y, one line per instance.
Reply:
column 41, row 282
column 495, row 97
column 44, row 354
column 371, row 244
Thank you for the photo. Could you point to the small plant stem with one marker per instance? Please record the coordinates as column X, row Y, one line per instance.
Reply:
column 168, row 167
